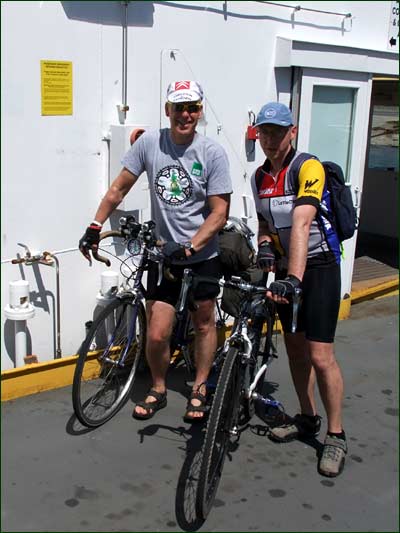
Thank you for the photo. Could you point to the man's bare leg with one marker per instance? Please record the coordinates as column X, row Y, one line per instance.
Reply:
column 205, row 347
column 330, row 382
column 160, row 319
column 302, row 371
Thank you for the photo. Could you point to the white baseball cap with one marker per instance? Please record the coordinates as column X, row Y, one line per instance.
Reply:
column 184, row 91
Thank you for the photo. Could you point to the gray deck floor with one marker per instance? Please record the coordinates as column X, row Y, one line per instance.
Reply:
column 135, row 476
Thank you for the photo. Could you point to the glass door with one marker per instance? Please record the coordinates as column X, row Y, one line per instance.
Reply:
column 333, row 125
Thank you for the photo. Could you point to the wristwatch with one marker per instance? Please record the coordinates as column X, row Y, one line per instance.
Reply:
column 189, row 246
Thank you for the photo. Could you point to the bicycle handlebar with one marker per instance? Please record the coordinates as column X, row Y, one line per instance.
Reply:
column 237, row 283
column 115, row 233
column 105, row 235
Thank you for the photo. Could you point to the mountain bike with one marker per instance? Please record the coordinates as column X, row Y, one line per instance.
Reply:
column 247, row 355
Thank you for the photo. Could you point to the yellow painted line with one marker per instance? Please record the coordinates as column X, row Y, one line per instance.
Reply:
column 392, row 293
column 383, row 289
column 344, row 309
column 39, row 377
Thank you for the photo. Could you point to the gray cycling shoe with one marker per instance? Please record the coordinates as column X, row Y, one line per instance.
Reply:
column 299, row 426
column 333, row 456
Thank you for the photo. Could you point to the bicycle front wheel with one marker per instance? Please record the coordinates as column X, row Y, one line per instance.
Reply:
column 108, row 360
column 223, row 414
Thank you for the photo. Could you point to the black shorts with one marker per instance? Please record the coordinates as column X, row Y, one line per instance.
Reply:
column 319, row 310
column 168, row 291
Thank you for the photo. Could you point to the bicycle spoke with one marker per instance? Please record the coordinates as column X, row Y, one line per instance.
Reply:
column 105, row 374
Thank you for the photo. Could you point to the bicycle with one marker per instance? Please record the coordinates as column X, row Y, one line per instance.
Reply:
column 114, row 349
column 247, row 355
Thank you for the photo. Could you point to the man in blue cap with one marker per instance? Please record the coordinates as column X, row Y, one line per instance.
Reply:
column 298, row 243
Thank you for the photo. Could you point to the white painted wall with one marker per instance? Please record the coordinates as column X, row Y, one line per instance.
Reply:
column 54, row 169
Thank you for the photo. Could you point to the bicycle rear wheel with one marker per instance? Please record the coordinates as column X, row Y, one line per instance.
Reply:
column 222, row 418
column 108, row 360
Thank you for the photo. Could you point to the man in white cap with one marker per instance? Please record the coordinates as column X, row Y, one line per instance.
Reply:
column 190, row 187
column 297, row 240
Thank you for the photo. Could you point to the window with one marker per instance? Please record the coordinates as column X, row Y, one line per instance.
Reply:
column 332, row 118
column 384, row 131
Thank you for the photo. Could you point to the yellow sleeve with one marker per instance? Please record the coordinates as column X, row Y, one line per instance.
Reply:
column 311, row 179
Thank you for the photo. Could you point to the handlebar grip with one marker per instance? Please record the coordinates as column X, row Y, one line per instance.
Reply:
column 111, row 233
column 100, row 258
column 105, row 235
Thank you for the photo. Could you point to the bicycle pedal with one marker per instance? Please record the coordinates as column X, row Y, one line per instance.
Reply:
column 260, row 431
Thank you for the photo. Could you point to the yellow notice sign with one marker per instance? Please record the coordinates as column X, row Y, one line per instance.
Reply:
column 56, row 79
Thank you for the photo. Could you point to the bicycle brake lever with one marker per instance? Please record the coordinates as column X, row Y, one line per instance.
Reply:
column 296, row 304
column 184, row 290
column 160, row 273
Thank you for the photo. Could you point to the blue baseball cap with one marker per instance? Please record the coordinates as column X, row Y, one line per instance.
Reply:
column 274, row 113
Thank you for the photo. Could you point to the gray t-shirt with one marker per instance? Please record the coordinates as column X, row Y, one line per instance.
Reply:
column 181, row 177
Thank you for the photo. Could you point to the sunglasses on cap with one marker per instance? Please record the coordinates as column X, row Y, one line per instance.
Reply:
column 188, row 106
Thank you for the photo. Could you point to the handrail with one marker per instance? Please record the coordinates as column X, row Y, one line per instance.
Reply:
column 298, row 8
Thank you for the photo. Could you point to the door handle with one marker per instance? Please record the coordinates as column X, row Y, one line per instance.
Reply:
column 357, row 197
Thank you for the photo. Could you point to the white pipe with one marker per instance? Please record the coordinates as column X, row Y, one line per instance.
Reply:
column 20, row 342
column 123, row 108
column 58, row 252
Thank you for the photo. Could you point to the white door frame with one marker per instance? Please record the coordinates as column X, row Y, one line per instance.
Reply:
column 362, row 83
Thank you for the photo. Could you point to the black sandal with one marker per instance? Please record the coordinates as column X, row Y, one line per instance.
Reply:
column 151, row 407
column 190, row 408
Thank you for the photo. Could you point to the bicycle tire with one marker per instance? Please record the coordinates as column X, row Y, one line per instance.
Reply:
column 183, row 355
column 222, row 416
column 101, row 388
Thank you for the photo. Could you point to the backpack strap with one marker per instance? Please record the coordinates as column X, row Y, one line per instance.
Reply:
column 295, row 165
column 258, row 178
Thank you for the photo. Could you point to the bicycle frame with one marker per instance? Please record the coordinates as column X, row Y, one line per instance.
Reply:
column 138, row 292
column 238, row 387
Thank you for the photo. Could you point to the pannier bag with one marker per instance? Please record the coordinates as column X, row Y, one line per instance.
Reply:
column 238, row 256
column 231, row 298
column 236, row 250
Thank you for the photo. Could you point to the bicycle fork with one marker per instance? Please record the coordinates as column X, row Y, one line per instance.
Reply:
column 131, row 327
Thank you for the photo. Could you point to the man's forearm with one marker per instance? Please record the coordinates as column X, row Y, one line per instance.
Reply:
column 298, row 251
column 263, row 232
column 115, row 194
column 111, row 201
column 210, row 227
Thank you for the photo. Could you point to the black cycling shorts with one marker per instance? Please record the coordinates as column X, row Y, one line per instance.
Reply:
column 319, row 310
column 168, row 291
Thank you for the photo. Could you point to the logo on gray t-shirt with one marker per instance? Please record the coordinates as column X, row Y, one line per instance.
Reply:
column 173, row 185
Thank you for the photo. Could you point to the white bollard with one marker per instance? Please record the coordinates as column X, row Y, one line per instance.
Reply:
column 19, row 310
column 108, row 289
